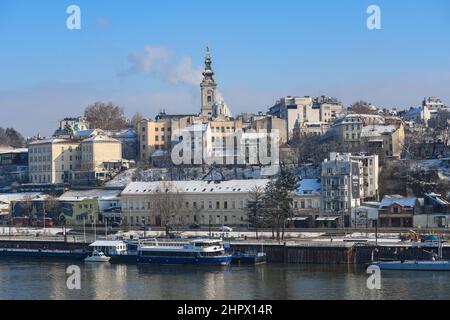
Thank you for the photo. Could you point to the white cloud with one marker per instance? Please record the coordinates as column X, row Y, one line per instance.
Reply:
column 159, row 61
column 184, row 72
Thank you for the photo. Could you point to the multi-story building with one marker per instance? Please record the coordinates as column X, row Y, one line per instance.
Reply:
column 70, row 126
column 346, row 180
column 369, row 133
column 53, row 160
column 299, row 110
column 13, row 166
column 99, row 149
column 202, row 202
column 270, row 124
column 306, row 203
column 434, row 105
column 58, row 160
column 311, row 129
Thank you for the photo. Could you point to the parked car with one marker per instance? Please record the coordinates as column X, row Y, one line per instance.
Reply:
column 226, row 229
column 194, row 226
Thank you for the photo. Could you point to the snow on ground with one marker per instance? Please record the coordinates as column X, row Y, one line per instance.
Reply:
column 427, row 165
column 155, row 174
column 4, row 231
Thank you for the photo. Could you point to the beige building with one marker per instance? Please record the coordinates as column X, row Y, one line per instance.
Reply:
column 97, row 150
column 299, row 110
column 202, row 202
column 53, row 160
column 58, row 160
column 370, row 133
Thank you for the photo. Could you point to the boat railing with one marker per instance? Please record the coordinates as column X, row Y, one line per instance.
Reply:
column 162, row 243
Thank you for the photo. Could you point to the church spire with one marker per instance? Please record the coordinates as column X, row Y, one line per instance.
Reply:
column 208, row 86
column 208, row 73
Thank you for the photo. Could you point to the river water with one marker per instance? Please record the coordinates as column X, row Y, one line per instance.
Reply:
column 36, row 279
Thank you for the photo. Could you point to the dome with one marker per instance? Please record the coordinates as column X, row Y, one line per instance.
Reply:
column 220, row 108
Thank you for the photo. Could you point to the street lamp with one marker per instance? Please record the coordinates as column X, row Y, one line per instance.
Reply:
column 144, row 225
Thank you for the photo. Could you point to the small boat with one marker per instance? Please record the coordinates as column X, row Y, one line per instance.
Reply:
column 97, row 256
column 192, row 252
column 436, row 263
column 249, row 258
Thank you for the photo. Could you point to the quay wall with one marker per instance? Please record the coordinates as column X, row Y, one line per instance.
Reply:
column 339, row 254
column 295, row 253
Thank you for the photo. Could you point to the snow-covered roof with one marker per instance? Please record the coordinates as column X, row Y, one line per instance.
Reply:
column 376, row 130
column 8, row 197
column 159, row 153
column 400, row 200
column 49, row 140
column 101, row 138
column 106, row 243
column 19, row 150
column 308, row 187
column 79, row 195
column 230, row 186
column 85, row 133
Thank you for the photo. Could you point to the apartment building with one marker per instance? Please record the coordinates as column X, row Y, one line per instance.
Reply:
column 58, row 160
column 53, row 160
column 299, row 110
column 369, row 133
column 346, row 180
column 97, row 150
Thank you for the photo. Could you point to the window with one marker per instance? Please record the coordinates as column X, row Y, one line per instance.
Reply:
column 217, row 205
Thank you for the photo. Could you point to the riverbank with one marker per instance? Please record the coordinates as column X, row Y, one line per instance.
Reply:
column 293, row 252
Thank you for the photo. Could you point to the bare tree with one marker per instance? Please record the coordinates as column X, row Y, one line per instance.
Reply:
column 51, row 209
column 255, row 207
column 168, row 204
column 11, row 137
column 105, row 116
column 361, row 107
column 27, row 205
column 135, row 120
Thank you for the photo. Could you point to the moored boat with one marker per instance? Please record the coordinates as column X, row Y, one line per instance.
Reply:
column 193, row 252
column 415, row 265
column 43, row 253
column 97, row 256
column 249, row 258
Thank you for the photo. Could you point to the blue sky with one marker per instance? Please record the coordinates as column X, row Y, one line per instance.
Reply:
column 146, row 55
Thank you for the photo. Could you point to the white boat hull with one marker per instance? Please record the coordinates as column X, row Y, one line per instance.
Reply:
column 97, row 259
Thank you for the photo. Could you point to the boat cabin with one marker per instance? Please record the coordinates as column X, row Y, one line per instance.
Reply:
column 110, row 247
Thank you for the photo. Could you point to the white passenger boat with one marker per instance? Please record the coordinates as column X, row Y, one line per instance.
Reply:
column 97, row 256
column 193, row 252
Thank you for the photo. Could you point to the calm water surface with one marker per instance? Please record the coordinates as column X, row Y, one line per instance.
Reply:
column 34, row 279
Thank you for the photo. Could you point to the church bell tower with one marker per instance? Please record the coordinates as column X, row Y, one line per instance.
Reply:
column 208, row 87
